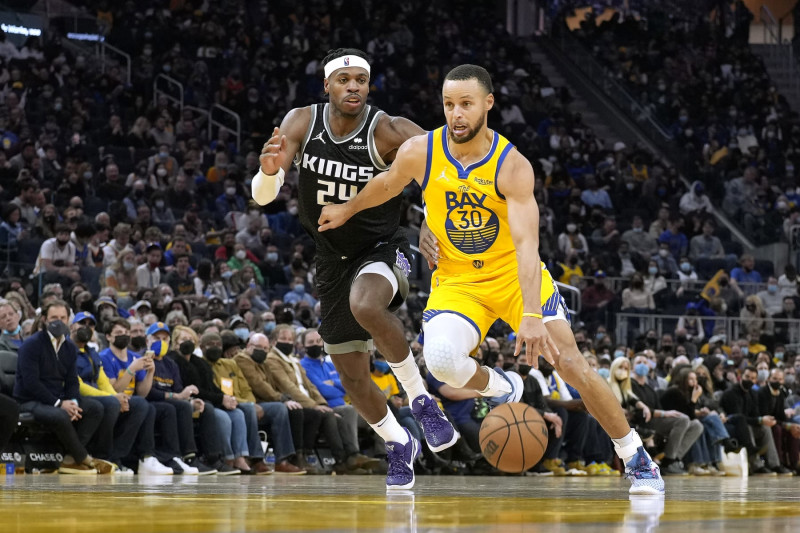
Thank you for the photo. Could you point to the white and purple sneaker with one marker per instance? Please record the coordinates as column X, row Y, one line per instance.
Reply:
column 439, row 432
column 401, row 463
column 515, row 380
column 644, row 474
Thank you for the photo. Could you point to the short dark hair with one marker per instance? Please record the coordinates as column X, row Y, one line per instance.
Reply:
column 340, row 52
column 469, row 72
column 117, row 321
column 750, row 368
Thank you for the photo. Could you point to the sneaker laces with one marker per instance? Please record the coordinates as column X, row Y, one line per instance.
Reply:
column 641, row 469
column 430, row 420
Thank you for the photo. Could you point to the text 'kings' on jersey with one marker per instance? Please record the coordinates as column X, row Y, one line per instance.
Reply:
column 335, row 169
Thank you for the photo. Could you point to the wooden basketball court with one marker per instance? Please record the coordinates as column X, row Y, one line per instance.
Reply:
column 104, row 504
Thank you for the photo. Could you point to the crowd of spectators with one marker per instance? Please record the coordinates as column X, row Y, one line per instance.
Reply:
column 127, row 210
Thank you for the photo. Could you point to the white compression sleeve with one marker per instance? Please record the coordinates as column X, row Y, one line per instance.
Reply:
column 265, row 188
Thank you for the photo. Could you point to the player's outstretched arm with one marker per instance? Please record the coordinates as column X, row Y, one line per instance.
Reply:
column 516, row 183
column 277, row 155
column 408, row 165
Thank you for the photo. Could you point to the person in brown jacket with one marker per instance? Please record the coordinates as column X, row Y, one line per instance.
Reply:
column 274, row 415
column 304, row 423
column 291, row 379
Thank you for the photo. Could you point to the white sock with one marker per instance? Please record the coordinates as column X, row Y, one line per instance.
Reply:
column 407, row 373
column 497, row 386
column 627, row 446
column 390, row 429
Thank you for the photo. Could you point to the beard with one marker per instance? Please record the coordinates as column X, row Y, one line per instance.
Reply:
column 469, row 136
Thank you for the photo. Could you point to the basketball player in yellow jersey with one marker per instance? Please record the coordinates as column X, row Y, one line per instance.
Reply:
column 478, row 193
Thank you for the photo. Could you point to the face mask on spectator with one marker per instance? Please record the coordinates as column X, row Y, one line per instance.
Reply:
column 293, row 210
column 272, row 257
column 230, row 191
column 161, row 172
column 242, row 333
column 653, row 270
column 160, row 204
column 57, row 328
column 621, row 374
column 747, row 384
column 772, row 289
column 138, row 343
column 213, row 353
column 228, row 274
column 571, row 228
column 128, row 265
column 313, row 351
column 775, row 385
column 83, row 335
column 258, row 355
column 618, row 354
column 686, row 267
column 300, row 289
column 641, row 369
column 269, row 327
column 788, row 380
column 186, row 347
column 763, row 375
column 241, row 254
column 121, row 341
column 779, row 356
column 603, row 373
column 286, row 348
column 663, row 253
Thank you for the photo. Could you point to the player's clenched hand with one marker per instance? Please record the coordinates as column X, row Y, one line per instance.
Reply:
column 273, row 153
column 428, row 246
column 333, row 216
column 533, row 333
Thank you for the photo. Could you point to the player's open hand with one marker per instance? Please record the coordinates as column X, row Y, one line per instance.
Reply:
column 428, row 245
column 333, row 216
column 273, row 153
column 533, row 333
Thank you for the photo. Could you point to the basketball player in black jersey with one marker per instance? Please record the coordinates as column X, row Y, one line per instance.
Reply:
column 362, row 267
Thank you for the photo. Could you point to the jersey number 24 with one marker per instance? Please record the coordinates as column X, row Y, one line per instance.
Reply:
column 327, row 192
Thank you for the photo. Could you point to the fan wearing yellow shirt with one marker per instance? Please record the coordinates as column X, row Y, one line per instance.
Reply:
column 479, row 205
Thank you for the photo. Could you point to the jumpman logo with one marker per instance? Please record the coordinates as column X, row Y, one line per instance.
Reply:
column 442, row 176
column 319, row 137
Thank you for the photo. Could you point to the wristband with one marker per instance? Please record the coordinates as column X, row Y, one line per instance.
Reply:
column 533, row 315
column 128, row 371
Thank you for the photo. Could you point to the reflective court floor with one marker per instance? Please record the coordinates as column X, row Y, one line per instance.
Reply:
column 104, row 504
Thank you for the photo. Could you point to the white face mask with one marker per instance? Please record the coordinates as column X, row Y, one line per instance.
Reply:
column 571, row 228
column 293, row 210
column 161, row 172
column 241, row 254
column 230, row 191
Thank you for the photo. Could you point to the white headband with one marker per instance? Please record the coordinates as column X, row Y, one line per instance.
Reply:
column 345, row 61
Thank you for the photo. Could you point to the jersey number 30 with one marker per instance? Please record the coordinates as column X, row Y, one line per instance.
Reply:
column 326, row 196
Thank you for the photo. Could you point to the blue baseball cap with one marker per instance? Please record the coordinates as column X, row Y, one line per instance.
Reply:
column 156, row 327
column 83, row 316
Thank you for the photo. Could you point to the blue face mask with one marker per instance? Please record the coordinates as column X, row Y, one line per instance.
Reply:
column 618, row 354
column 641, row 369
column 653, row 270
column 300, row 289
column 603, row 373
column 779, row 356
column 772, row 289
column 15, row 332
column 382, row 366
column 268, row 327
column 242, row 333
column 228, row 274
column 600, row 335
column 745, row 350
column 272, row 257
column 686, row 267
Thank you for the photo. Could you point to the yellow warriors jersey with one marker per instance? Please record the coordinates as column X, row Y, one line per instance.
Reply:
column 476, row 276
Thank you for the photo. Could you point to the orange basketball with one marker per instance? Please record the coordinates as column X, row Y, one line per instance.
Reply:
column 513, row 437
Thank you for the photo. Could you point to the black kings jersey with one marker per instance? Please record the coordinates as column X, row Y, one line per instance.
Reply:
column 333, row 170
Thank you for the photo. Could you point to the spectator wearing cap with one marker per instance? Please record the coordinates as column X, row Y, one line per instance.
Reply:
column 174, row 407
column 56, row 261
column 121, row 241
column 148, row 274
column 46, row 385
column 127, row 423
